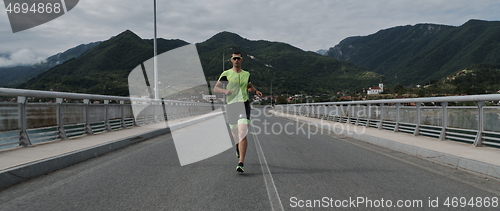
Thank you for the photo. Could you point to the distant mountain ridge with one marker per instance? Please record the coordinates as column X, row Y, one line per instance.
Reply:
column 12, row 76
column 421, row 53
column 104, row 69
column 322, row 52
column 289, row 69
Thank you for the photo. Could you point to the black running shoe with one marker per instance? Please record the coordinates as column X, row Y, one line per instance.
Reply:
column 240, row 168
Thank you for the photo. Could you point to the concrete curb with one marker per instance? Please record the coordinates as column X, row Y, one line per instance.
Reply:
column 30, row 170
column 479, row 168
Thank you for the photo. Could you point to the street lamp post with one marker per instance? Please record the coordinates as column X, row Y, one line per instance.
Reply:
column 271, row 93
column 155, row 61
column 224, row 67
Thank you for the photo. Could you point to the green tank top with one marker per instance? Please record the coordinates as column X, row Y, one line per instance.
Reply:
column 238, row 83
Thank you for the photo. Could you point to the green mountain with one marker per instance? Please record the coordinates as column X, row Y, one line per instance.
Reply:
column 476, row 79
column 104, row 69
column 12, row 76
column 421, row 53
column 290, row 69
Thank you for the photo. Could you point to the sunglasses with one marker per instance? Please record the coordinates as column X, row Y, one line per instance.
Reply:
column 236, row 58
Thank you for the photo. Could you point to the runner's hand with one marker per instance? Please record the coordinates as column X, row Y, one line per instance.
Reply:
column 258, row 93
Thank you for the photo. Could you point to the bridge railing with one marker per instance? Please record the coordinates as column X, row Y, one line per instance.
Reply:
column 434, row 117
column 24, row 122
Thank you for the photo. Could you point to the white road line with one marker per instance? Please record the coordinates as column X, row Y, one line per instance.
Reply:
column 272, row 192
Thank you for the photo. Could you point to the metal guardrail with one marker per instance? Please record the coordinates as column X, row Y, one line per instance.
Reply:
column 479, row 125
column 25, row 123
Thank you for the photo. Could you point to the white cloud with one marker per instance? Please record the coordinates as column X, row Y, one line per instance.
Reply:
column 21, row 57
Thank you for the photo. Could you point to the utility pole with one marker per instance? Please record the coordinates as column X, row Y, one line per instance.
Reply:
column 271, row 93
column 155, row 60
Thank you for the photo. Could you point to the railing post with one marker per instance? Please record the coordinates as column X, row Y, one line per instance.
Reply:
column 442, row 136
column 330, row 116
column 357, row 114
column 480, row 126
column 419, row 118
column 169, row 108
column 60, row 119
column 155, row 107
column 88, row 127
column 183, row 110
column 319, row 112
column 398, row 117
column 347, row 114
column 136, row 123
column 106, row 115
column 24, row 138
column 341, row 115
column 316, row 113
column 381, row 123
column 153, row 111
column 122, row 114
column 192, row 109
column 369, row 115
column 173, row 111
column 309, row 112
column 322, row 111
column 147, row 112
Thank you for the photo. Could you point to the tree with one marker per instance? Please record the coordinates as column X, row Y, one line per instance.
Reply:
column 281, row 100
column 399, row 89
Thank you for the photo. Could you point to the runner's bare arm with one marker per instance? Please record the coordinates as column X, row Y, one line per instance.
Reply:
column 251, row 88
column 218, row 89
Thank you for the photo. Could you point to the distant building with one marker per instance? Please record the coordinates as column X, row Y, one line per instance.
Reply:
column 375, row 90
column 209, row 97
column 345, row 98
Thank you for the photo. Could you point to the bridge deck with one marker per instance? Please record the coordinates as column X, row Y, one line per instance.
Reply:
column 484, row 161
column 21, row 164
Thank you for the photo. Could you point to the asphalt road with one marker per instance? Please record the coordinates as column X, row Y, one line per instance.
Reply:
column 287, row 168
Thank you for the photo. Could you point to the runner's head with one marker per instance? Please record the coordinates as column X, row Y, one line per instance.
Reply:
column 236, row 59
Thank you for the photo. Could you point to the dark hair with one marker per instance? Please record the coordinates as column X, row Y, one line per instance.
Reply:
column 237, row 52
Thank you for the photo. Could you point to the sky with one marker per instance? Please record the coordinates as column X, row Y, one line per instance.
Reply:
column 310, row 25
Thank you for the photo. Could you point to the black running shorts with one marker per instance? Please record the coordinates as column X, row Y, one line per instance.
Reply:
column 237, row 111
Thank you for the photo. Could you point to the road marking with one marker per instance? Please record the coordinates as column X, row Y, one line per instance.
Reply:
column 272, row 192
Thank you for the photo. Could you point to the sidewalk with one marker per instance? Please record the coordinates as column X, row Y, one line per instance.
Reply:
column 483, row 161
column 23, row 163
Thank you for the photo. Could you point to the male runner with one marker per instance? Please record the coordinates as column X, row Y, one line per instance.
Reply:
column 238, row 84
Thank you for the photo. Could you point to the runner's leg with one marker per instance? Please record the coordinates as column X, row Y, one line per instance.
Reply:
column 242, row 136
column 243, row 123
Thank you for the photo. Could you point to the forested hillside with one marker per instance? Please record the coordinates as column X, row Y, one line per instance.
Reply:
column 418, row 54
